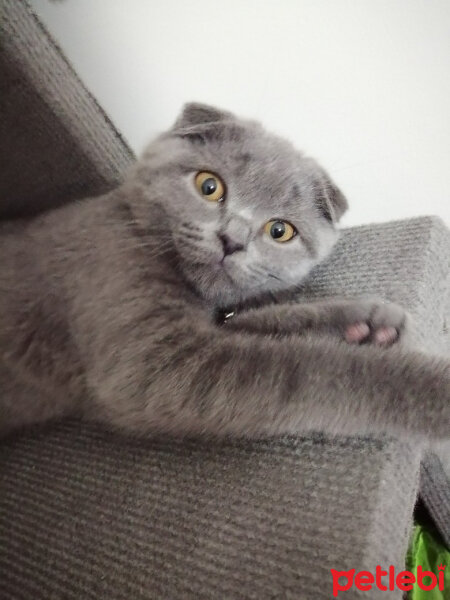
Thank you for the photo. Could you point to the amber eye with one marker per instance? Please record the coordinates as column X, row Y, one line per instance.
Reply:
column 210, row 186
column 280, row 231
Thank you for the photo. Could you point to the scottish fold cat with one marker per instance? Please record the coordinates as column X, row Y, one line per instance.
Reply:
column 163, row 306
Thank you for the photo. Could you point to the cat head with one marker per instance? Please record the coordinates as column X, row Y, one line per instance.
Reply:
column 246, row 212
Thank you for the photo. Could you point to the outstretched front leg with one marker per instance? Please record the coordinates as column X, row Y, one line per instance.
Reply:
column 355, row 321
column 173, row 371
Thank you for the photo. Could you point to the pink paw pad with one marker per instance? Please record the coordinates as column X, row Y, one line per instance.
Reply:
column 385, row 336
column 356, row 333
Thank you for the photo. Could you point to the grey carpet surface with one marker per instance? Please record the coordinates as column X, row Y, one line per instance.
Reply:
column 435, row 493
column 87, row 514
column 56, row 143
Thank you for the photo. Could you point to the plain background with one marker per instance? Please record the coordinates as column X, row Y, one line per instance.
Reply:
column 362, row 85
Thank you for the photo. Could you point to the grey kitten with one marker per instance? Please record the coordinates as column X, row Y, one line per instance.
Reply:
column 109, row 307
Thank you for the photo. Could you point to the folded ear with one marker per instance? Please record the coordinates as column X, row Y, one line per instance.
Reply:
column 329, row 198
column 195, row 113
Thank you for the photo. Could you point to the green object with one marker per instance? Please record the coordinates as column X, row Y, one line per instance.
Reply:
column 426, row 550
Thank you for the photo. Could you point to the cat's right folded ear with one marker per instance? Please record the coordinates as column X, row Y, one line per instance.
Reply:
column 200, row 122
column 195, row 113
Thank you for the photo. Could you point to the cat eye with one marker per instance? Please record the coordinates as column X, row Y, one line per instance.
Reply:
column 210, row 186
column 280, row 231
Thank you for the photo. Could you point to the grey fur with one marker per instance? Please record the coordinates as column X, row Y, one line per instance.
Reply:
column 108, row 306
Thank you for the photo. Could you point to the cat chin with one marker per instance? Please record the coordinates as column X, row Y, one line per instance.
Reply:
column 215, row 286
column 217, row 289
column 230, row 297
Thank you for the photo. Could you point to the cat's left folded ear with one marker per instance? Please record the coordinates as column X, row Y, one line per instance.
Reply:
column 330, row 200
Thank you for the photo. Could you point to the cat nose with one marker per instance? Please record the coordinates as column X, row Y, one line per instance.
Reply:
column 229, row 245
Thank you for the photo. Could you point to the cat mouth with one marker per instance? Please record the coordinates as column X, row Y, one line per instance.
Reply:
column 223, row 268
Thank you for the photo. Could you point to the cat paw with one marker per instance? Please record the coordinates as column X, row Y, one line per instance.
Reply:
column 377, row 322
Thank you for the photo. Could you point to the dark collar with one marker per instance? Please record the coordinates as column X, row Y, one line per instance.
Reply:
column 222, row 315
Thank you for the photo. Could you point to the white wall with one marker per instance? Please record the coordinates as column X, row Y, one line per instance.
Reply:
column 362, row 85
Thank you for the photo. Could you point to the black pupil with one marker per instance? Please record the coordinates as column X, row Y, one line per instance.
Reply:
column 209, row 186
column 277, row 230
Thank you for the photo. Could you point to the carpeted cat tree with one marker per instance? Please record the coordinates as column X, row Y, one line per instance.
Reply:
column 88, row 514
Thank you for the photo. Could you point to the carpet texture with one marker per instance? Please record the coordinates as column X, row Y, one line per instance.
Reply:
column 86, row 514
column 60, row 144
column 435, row 493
